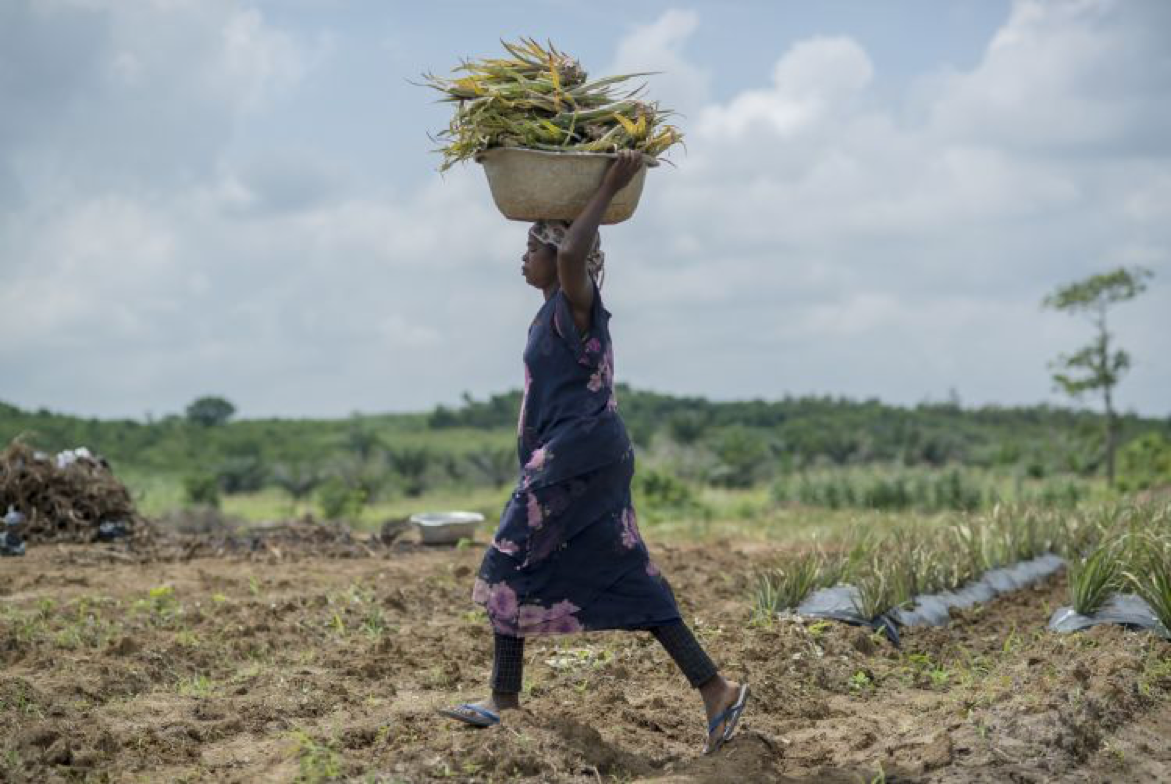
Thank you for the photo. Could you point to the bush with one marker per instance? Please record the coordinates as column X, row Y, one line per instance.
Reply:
column 686, row 427
column 743, row 456
column 339, row 500
column 202, row 489
column 888, row 493
column 1144, row 463
column 241, row 474
column 1065, row 494
column 955, row 492
column 842, row 489
column 659, row 495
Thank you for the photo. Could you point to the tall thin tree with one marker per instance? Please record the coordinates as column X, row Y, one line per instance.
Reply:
column 1097, row 366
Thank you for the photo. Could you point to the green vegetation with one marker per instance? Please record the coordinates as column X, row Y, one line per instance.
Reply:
column 1145, row 463
column 1097, row 367
column 210, row 411
column 699, row 462
column 897, row 488
column 318, row 761
column 785, row 586
column 1150, row 575
column 1094, row 578
column 890, row 566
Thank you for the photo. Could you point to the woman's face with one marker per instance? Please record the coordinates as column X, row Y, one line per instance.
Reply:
column 539, row 264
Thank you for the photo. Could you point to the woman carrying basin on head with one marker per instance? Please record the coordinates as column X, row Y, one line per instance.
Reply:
column 567, row 555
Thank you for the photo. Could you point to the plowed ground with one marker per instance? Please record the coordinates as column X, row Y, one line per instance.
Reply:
column 303, row 667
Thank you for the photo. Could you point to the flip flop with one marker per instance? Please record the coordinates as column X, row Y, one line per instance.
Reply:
column 486, row 718
column 730, row 715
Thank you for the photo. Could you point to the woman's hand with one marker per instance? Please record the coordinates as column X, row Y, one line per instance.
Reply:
column 622, row 170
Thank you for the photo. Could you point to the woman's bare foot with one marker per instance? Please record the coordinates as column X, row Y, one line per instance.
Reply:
column 718, row 694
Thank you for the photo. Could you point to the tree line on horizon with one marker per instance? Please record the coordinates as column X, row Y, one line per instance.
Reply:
column 732, row 444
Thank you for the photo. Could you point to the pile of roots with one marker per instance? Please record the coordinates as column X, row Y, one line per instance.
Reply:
column 74, row 500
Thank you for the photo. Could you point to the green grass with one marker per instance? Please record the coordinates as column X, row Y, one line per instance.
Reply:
column 721, row 513
column 1151, row 577
column 317, row 761
column 899, row 557
column 1094, row 578
column 160, row 497
column 785, row 586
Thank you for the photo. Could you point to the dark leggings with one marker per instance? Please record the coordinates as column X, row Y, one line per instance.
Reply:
column 508, row 664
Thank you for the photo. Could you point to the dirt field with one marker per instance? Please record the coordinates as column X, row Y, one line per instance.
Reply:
column 283, row 668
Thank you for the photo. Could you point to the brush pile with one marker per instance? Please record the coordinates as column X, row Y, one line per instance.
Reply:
column 541, row 99
column 72, row 497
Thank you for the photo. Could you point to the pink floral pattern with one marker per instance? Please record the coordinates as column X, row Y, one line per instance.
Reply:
column 538, row 458
column 604, row 375
column 502, row 600
column 525, row 619
column 630, row 534
column 535, row 514
column 506, row 546
column 651, row 569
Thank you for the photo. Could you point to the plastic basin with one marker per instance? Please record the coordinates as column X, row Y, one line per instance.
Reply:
column 446, row 527
column 529, row 185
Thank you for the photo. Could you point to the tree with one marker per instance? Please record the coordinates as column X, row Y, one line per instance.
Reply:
column 412, row 463
column 497, row 464
column 363, row 440
column 1097, row 366
column 298, row 478
column 686, row 427
column 210, row 410
column 241, row 472
column 742, row 453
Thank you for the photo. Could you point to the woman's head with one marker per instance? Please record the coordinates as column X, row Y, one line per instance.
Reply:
column 539, row 265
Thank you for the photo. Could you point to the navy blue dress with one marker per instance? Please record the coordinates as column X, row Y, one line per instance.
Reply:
column 567, row 555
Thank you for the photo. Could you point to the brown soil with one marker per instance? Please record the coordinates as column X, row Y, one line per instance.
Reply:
column 297, row 666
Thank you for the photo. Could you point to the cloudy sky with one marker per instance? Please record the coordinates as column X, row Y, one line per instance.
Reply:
column 235, row 198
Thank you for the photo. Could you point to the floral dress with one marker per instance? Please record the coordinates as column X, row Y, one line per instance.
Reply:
column 567, row 555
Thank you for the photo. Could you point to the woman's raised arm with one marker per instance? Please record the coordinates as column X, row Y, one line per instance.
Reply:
column 571, row 256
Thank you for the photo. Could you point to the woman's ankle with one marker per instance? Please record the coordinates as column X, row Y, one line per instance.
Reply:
column 506, row 699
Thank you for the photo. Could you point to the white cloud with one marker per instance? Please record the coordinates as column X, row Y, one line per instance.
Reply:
column 817, row 237
column 133, row 95
column 262, row 61
column 813, row 80
column 679, row 84
column 1063, row 76
column 845, row 230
